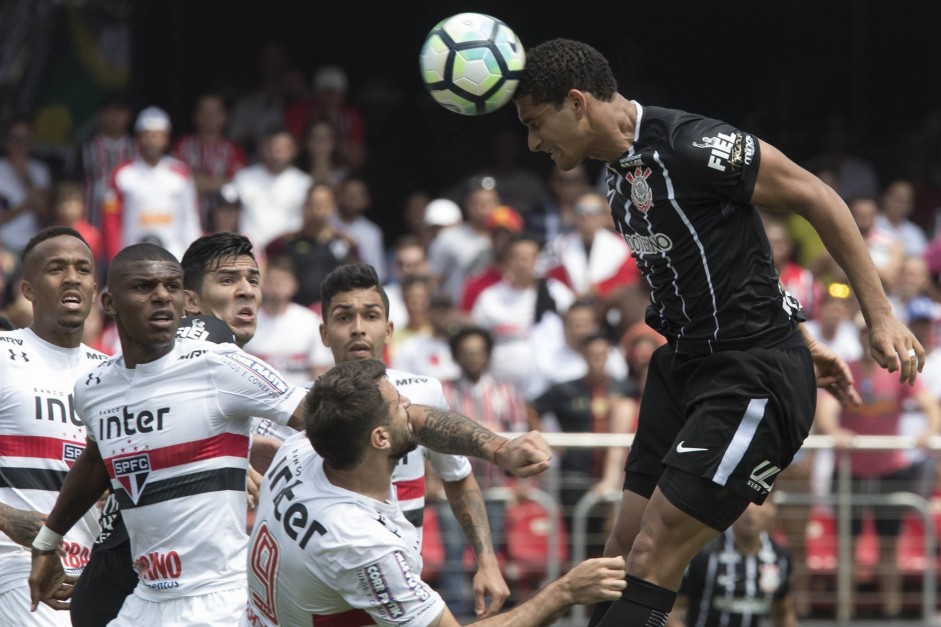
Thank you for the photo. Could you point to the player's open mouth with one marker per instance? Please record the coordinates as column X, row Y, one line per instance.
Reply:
column 163, row 319
column 245, row 314
column 72, row 300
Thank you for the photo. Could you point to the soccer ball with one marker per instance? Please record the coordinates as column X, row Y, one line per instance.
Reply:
column 471, row 63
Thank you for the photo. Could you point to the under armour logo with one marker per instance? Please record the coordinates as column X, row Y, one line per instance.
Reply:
column 22, row 355
column 92, row 376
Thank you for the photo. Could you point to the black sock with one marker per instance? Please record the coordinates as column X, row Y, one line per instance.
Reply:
column 642, row 604
column 598, row 613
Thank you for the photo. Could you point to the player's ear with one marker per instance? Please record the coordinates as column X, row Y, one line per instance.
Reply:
column 380, row 438
column 323, row 335
column 107, row 303
column 27, row 290
column 578, row 100
column 390, row 328
column 191, row 302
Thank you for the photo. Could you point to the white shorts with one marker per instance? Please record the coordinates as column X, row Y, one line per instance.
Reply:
column 214, row 609
column 14, row 610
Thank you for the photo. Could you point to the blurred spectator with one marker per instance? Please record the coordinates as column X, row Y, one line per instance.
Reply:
column 320, row 154
column 884, row 247
column 408, row 260
column 226, row 211
column 153, row 196
column 741, row 576
column 288, row 335
column 96, row 158
column 520, row 187
column 317, row 248
column 593, row 403
column 213, row 159
column 68, row 209
column 879, row 472
column 796, row 279
column 913, row 281
column 354, row 200
column 898, row 201
column 510, row 309
column 416, row 297
column 272, row 191
column 834, row 327
column 430, row 353
column 258, row 111
column 24, row 188
column 329, row 102
column 638, row 344
column 502, row 224
column 558, row 216
column 557, row 352
column 413, row 214
column 591, row 260
column 460, row 250
column 439, row 214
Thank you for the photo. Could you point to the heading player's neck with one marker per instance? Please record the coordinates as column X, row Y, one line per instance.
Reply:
column 616, row 131
column 372, row 477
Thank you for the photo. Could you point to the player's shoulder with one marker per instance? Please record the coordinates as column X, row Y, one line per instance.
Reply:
column 409, row 382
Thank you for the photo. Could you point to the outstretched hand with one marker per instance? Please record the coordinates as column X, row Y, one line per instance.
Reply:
column 48, row 582
column 833, row 374
column 895, row 347
column 524, row 456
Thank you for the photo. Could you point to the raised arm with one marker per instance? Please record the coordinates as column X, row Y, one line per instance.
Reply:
column 450, row 432
column 783, row 185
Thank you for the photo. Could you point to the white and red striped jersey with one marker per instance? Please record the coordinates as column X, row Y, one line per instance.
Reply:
column 40, row 438
column 606, row 267
column 324, row 556
column 154, row 204
column 174, row 436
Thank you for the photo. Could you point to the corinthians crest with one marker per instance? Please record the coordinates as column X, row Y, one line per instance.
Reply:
column 641, row 194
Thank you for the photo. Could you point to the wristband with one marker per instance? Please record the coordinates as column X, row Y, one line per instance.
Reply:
column 497, row 451
column 47, row 540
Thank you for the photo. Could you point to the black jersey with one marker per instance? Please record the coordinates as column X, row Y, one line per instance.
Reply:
column 730, row 589
column 681, row 198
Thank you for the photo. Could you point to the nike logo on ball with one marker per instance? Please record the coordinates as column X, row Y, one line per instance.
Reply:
column 687, row 449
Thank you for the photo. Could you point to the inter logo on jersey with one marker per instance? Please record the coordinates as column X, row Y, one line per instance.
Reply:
column 132, row 473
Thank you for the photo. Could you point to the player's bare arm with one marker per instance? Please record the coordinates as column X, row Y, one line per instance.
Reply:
column 20, row 525
column 783, row 185
column 592, row 581
column 449, row 432
column 84, row 483
column 467, row 503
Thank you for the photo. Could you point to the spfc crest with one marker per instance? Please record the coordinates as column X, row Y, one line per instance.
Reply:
column 641, row 194
column 132, row 473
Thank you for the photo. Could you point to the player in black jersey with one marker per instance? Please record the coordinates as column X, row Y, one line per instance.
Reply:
column 730, row 398
column 740, row 577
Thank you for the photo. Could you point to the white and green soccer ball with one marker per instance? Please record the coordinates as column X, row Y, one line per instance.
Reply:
column 471, row 62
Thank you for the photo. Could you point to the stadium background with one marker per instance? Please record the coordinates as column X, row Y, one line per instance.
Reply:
column 776, row 68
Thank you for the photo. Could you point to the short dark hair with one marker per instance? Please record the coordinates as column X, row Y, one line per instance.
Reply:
column 281, row 262
column 469, row 331
column 48, row 233
column 134, row 253
column 349, row 277
column 342, row 408
column 208, row 250
column 556, row 66
column 597, row 336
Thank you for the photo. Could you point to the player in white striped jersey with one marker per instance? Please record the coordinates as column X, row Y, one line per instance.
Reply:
column 168, row 427
column 330, row 547
column 40, row 434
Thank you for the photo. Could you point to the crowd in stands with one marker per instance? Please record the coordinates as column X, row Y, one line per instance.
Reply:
column 521, row 296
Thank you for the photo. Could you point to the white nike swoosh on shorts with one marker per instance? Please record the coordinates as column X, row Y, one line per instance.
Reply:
column 688, row 449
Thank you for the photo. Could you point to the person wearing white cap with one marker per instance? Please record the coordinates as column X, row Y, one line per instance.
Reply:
column 152, row 197
column 463, row 249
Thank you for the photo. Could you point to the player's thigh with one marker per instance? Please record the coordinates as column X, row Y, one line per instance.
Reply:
column 14, row 610
column 747, row 414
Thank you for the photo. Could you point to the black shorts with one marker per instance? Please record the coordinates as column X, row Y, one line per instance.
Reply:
column 107, row 580
column 734, row 417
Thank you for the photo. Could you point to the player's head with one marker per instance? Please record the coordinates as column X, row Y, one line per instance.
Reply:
column 353, row 409
column 221, row 279
column 355, row 312
column 471, row 348
column 145, row 297
column 561, row 80
column 59, row 280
